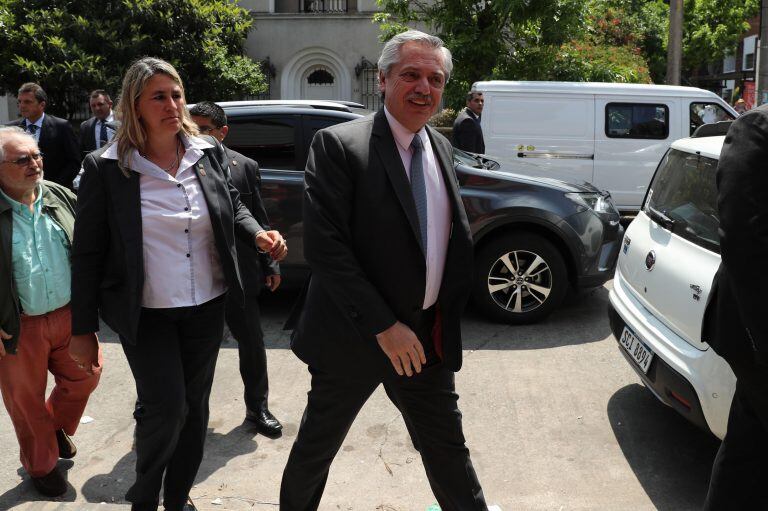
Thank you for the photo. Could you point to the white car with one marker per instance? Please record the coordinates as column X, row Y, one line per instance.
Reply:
column 668, row 258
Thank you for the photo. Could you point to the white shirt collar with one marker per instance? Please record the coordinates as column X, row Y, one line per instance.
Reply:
column 38, row 123
column 110, row 118
column 193, row 152
column 404, row 136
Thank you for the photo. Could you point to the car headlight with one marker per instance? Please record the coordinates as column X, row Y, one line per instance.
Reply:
column 597, row 202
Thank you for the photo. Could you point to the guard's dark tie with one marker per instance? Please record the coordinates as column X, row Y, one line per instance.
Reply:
column 419, row 189
column 103, row 139
column 32, row 129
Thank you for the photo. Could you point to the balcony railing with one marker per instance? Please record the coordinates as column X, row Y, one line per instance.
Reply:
column 323, row 6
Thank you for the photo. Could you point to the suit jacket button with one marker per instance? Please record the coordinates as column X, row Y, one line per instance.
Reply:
column 353, row 314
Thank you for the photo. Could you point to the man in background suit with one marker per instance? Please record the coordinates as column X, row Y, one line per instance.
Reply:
column 98, row 130
column 467, row 133
column 736, row 322
column 54, row 136
column 256, row 271
column 388, row 242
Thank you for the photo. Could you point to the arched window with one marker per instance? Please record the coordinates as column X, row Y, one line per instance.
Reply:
column 320, row 77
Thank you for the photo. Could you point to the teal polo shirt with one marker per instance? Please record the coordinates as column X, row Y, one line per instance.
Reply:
column 40, row 258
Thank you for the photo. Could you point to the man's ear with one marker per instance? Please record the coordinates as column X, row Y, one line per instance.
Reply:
column 382, row 81
column 224, row 130
column 42, row 105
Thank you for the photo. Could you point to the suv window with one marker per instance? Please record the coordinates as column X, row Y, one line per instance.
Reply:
column 707, row 113
column 684, row 191
column 636, row 120
column 271, row 142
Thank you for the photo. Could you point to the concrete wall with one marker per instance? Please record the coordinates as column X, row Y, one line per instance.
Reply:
column 295, row 42
column 8, row 108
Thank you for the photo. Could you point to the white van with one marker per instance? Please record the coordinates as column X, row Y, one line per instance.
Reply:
column 610, row 134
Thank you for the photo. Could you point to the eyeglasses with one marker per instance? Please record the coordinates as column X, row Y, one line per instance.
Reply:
column 25, row 160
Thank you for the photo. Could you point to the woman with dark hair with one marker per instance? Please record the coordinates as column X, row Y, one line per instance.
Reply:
column 154, row 255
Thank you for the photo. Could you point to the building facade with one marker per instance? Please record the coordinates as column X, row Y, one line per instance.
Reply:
column 733, row 77
column 317, row 49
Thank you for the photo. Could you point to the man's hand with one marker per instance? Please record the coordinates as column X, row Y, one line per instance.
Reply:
column 84, row 350
column 403, row 348
column 4, row 336
column 273, row 243
column 272, row 282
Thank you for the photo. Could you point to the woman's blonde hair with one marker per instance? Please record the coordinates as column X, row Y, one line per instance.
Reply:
column 131, row 133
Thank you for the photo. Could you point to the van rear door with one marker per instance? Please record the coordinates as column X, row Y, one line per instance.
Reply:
column 631, row 136
column 554, row 132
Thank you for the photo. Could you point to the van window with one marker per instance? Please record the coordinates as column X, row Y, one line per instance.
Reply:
column 271, row 142
column 636, row 120
column 684, row 191
column 707, row 113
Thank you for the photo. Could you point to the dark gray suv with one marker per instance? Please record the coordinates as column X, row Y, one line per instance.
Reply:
column 535, row 238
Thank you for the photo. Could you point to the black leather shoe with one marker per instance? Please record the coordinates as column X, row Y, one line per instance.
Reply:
column 265, row 422
column 52, row 484
column 67, row 449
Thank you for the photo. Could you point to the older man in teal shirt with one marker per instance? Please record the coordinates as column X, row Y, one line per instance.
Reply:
column 36, row 224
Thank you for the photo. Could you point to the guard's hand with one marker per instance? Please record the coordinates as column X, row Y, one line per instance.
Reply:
column 84, row 350
column 4, row 336
column 403, row 348
column 273, row 243
column 273, row 282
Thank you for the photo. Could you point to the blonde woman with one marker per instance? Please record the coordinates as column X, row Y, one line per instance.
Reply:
column 154, row 255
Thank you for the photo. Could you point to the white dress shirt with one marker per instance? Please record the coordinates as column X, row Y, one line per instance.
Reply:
column 438, row 205
column 97, row 129
column 181, row 264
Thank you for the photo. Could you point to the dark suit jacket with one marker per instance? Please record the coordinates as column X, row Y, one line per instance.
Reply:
column 467, row 133
column 61, row 158
column 107, row 253
column 736, row 319
column 361, row 240
column 253, row 265
column 88, row 134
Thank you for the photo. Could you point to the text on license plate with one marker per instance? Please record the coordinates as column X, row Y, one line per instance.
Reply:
column 639, row 352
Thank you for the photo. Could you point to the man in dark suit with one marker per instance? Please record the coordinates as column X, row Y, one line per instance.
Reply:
column 54, row 136
column 256, row 271
column 467, row 133
column 389, row 246
column 736, row 323
column 98, row 130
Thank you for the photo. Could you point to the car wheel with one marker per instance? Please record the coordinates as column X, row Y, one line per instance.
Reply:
column 519, row 278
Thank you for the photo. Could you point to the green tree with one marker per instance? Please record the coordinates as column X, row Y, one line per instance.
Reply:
column 72, row 46
column 713, row 29
column 483, row 35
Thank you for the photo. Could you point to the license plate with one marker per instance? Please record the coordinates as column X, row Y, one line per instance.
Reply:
column 640, row 353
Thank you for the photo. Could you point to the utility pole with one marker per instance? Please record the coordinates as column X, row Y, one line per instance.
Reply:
column 675, row 41
column 762, row 57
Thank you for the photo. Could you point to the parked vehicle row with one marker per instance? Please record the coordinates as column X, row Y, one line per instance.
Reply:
column 609, row 134
column 535, row 238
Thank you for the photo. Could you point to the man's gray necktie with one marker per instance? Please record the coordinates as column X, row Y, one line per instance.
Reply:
column 32, row 129
column 419, row 189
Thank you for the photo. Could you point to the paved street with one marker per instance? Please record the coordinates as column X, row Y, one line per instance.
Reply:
column 554, row 418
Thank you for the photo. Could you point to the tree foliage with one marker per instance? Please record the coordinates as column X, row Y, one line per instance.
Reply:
column 574, row 40
column 70, row 47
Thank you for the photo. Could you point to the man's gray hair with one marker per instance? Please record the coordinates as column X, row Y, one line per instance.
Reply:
column 9, row 132
column 390, row 55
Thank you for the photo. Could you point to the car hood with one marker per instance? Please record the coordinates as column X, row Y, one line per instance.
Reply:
column 506, row 171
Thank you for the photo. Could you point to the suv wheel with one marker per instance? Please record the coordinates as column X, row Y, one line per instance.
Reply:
column 519, row 278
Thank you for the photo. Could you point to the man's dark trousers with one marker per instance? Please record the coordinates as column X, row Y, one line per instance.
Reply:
column 245, row 325
column 429, row 405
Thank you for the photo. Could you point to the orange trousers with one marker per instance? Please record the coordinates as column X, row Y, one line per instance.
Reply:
column 44, row 346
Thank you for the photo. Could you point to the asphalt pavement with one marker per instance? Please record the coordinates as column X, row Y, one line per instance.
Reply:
column 554, row 418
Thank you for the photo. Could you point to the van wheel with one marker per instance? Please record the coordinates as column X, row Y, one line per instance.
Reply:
column 519, row 278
